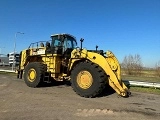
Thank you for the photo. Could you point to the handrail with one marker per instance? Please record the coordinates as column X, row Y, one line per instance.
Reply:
column 37, row 44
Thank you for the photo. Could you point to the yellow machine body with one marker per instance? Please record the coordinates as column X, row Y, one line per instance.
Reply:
column 58, row 67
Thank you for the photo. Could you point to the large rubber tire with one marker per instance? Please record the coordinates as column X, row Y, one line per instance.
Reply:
column 34, row 74
column 94, row 86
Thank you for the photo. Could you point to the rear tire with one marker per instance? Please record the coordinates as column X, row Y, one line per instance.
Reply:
column 34, row 74
column 88, row 79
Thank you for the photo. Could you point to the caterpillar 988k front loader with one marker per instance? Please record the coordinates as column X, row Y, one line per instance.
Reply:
column 89, row 71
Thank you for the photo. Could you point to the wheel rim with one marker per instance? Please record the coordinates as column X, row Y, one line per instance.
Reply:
column 84, row 79
column 31, row 75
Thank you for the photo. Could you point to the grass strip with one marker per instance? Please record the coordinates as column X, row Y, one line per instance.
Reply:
column 145, row 90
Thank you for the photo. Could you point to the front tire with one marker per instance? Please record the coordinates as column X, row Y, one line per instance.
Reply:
column 34, row 74
column 88, row 79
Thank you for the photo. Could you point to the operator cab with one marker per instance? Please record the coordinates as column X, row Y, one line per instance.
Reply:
column 62, row 44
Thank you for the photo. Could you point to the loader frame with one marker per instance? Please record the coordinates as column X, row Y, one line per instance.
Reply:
column 60, row 59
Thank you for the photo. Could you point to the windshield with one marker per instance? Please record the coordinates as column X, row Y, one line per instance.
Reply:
column 69, row 42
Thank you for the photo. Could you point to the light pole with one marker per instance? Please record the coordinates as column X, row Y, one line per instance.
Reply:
column 14, row 54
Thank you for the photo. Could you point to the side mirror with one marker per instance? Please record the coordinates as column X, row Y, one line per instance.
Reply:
column 81, row 42
column 96, row 47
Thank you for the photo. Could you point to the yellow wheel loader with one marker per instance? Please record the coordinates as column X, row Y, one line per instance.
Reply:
column 89, row 71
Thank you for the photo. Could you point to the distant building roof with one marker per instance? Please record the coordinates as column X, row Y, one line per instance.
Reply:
column 13, row 53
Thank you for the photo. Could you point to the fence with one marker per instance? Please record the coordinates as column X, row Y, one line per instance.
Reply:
column 143, row 84
column 12, row 71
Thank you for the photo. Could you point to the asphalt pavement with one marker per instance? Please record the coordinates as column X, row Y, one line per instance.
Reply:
column 60, row 102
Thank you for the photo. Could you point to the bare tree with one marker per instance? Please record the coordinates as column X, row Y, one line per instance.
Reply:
column 132, row 64
column 137, row 64
column 127, row 64
column 157, row 68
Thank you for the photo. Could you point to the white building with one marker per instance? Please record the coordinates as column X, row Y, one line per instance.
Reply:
column 13, row 58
